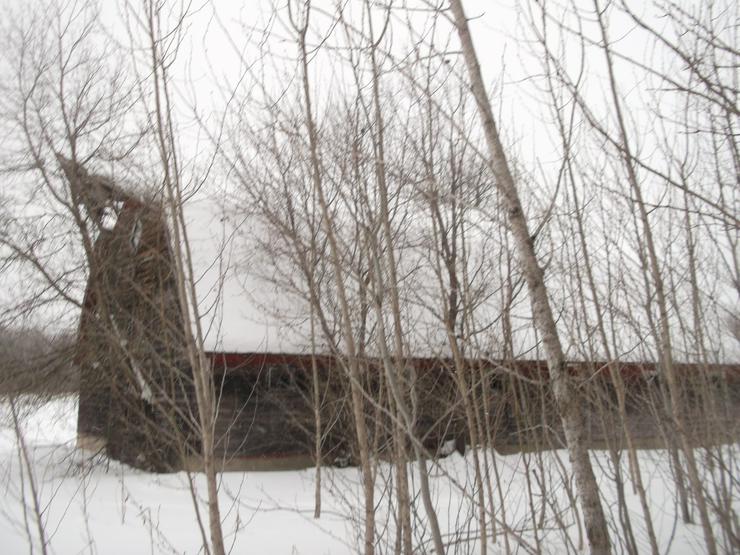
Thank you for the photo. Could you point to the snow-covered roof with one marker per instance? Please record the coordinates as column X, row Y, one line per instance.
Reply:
column 240, row 310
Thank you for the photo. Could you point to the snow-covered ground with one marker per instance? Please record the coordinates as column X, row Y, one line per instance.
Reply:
column 103, row 507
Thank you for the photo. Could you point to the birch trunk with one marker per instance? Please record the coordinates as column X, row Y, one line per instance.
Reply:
column 564, row 392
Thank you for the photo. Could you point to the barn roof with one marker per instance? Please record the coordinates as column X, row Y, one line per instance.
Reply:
column 245, row 308
column 240, row 309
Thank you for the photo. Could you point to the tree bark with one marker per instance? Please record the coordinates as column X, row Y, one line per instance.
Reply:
column 564, row 391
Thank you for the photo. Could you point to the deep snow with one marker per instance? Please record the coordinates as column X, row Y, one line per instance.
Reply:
column 98, row 506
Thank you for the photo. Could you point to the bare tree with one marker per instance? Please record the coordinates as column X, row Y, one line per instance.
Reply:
column 568, row 402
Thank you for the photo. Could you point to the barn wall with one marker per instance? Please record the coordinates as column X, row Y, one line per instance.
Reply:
column 266, row 412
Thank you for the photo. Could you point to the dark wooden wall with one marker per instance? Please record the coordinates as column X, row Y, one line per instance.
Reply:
column 135, row 381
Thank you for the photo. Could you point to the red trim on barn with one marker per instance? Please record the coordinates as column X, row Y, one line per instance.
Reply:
column 255, row 361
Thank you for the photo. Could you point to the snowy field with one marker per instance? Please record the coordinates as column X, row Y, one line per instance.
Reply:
column 103, row 507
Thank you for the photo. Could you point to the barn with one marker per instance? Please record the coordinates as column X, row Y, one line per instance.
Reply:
column 136, row 400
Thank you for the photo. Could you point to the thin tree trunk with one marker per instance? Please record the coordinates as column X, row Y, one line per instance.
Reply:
column 400, row 404
column 37, row 512
column 665, row 348
column 316, row 418
column 185, row 282
column 395, row 371
column 348, row 336
column 567, row 400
